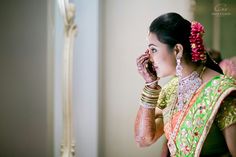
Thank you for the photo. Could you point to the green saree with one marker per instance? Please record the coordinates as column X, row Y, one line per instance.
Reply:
column 209, row 111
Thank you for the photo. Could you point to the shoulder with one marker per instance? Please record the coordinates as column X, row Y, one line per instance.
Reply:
column 171, row 84
column 168, row 92
column 170, row 87
column 213, row 76
column 209, row 74
column 226, row 115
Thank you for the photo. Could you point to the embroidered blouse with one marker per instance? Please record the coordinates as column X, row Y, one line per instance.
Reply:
column 225, row 117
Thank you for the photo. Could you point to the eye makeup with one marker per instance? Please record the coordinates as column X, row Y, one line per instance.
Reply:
column 153, row 48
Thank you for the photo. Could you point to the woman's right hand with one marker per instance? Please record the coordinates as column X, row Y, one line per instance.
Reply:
column 142, row 64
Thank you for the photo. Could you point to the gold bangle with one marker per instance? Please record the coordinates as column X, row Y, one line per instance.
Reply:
column 147, row 105
column 152, row 101
column 150, row 95
column 150, row 83
column 152, row 90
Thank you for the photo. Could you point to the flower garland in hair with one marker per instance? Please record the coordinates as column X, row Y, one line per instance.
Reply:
column 196, row 41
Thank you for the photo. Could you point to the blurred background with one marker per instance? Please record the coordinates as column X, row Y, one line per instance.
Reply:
column 106, row 86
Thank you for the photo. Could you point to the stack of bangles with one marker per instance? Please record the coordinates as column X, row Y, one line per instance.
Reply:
column 149, row 97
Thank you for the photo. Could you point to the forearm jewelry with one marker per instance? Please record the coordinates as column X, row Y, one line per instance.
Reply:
column 150, row 83
column 149, row 97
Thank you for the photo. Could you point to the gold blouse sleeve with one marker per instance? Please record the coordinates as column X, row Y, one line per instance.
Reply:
column 226, row 115
column 161, row 103
column 167, row 93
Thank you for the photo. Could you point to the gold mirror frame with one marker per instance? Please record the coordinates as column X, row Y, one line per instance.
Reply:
column 68, row 12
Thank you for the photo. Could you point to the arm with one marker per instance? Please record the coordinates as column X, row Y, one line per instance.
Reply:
column 230, row 137
column 226, row 119
column 148, row 126
column 230, row 130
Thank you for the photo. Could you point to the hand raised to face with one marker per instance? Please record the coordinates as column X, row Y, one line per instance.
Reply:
column 145, row 67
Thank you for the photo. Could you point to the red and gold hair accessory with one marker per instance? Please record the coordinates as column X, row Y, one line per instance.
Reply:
column 196, row 41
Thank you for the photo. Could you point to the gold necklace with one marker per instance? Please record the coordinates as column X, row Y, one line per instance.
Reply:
column 202, row 71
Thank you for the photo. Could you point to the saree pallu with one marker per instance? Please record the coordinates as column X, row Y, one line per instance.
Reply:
column 199, row 116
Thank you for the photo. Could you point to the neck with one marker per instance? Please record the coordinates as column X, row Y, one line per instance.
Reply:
column 189, row 68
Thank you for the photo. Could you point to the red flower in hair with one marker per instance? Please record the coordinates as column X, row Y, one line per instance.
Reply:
column 198, row 50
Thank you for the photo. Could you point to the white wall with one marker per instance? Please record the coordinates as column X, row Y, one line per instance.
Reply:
column 125, row 25
column 24, row 90
column 86, row 78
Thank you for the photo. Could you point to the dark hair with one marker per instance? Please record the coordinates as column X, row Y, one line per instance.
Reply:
column 215, row 55
column 172, row 29
column 212, row 64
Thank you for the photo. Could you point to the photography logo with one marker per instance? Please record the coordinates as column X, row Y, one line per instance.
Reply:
column 221, row 9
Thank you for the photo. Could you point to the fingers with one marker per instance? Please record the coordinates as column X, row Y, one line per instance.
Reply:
column 147, row 51
column 142, row 64
column 142, row 57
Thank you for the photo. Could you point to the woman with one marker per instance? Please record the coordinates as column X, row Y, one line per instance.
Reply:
column 196, row 109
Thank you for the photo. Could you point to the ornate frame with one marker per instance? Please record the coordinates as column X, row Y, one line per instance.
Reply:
column 70, row 29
